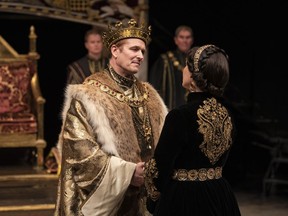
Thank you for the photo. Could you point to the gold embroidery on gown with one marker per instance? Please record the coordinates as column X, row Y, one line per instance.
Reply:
column 216, row 126
column 151, row 172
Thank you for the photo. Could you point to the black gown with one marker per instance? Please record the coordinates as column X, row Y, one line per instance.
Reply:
column 196, row 136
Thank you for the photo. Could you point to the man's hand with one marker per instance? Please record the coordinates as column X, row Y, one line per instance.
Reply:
column 138, row 177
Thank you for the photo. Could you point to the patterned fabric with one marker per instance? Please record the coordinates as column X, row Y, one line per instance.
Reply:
column 15, row 110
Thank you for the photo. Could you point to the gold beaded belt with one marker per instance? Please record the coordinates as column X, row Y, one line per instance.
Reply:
column 197, row 175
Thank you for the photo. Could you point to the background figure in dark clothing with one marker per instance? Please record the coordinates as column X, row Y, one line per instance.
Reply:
column 184, row 177
column 95, row 60
column 166, row 73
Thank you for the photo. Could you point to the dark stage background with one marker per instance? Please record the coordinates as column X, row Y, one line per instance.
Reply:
column 252, row 33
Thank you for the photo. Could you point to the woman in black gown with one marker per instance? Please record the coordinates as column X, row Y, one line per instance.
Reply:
column 184, row 177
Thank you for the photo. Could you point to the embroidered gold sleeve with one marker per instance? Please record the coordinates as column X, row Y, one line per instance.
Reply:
column 84, row 161
column 216, row 126
column 151, row 173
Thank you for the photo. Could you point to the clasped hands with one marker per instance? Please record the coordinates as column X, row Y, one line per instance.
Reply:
column 138, row 176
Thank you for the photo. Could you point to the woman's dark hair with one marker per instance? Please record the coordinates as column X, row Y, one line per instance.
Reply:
column 212, row 68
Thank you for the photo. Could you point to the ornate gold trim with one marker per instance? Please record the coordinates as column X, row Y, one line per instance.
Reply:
column 27, row 207
column 202, row 174
column 134, row 102
column 82, row 12
column 197, row 56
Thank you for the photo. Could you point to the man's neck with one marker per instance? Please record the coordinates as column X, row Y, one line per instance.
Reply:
column 94, row 57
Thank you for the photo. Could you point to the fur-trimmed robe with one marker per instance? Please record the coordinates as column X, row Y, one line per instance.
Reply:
column 100, row 149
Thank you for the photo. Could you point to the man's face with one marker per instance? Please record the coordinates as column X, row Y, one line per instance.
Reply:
column 129, row 56
column 183, row 40
column 94, row 44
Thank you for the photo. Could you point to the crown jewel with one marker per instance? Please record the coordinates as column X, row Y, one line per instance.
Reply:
column 130, row 30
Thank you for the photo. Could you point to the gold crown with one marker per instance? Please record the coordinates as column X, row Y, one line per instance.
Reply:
column 130, row 30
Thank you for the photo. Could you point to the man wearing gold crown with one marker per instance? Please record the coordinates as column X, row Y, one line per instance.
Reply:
column 111, row 124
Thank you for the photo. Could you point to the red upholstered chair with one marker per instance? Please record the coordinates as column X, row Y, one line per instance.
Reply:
column 21, row 101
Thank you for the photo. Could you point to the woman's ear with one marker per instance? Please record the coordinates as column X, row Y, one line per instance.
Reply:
column 191, row 87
